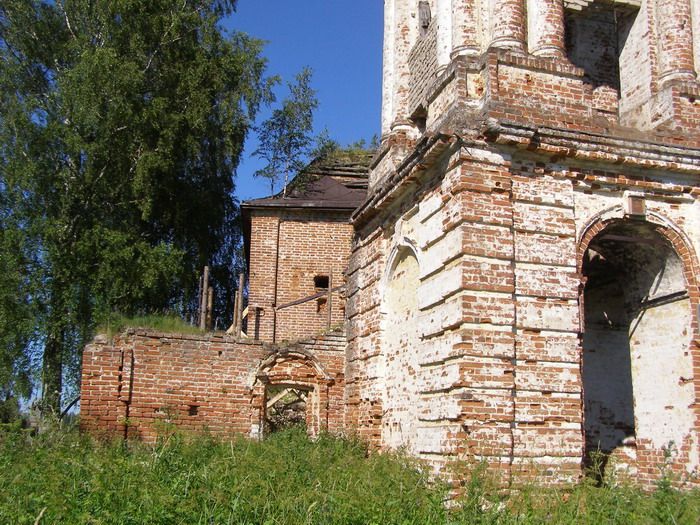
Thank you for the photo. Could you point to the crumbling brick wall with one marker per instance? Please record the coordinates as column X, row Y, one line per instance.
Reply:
column 553, row 135
column 144, row 382
column 496, row 369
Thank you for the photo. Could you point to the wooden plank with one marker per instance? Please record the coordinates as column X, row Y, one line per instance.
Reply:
column 239, row 306
column 329, row 302
column 203, row 300
column 232, row 330
column 310, row 297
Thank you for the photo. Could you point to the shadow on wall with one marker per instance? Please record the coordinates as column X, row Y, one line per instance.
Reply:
column 635, row 345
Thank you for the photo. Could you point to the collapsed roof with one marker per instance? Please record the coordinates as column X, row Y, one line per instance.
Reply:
column 337, row 181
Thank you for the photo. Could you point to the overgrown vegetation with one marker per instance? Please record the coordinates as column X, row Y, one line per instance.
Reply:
column 286, row 479
column 162, row 323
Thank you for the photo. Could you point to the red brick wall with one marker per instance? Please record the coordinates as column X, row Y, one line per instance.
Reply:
column 142, row 382
column 310, row 244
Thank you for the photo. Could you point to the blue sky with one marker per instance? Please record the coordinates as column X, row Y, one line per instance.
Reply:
column 341, row 40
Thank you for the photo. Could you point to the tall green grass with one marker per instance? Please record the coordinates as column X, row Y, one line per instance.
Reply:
column 62, row 477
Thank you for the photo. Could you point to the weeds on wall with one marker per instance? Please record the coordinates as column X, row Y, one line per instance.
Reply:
column 62, row 477
column 167, row 323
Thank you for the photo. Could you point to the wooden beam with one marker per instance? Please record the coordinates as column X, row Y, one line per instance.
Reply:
column 310, row 297
column 665, row 299
column 239, row 307
column 329, row 302
column 277, row 397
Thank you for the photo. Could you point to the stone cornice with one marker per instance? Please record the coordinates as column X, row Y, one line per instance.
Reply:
column 594, row 148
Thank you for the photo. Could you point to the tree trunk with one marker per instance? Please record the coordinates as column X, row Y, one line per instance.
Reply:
column 53, row 375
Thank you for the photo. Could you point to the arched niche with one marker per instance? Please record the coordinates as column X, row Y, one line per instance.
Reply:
column 400, row 341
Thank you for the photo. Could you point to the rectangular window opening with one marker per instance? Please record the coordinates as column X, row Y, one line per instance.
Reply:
column 321, row 282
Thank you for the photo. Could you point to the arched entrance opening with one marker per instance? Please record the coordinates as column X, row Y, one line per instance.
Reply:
column 400, row 339
column 290, row 388
column 636, row 365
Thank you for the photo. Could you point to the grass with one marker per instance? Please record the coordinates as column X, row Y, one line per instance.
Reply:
column 63, row 477
column 162, row 323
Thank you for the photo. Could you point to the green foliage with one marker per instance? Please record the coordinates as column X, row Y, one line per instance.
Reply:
column 324, row 145
column 587, row 503
column 285, row 479
column 161, row 323
column 285, row 137
column 16, row 315
column 121, row 125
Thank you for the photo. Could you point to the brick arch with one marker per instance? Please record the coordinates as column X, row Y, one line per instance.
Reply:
column 682, row 246
column 666, row 229
column 400, row 246
column 293, row 367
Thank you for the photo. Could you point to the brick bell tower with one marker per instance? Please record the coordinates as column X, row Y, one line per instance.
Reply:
column 523, row 287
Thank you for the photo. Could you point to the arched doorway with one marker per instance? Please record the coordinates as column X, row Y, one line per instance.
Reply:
column 637, row 365
column 290, row 388
column 400, row 340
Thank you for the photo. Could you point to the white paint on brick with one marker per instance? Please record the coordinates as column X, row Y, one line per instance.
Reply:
column 438, row 408
column 662, row 374
column 439, row 378
column 446, row 249
column 400, row 350
column 547, row 314
column 439, row 286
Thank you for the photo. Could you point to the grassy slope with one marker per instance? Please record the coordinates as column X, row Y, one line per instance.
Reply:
column 283, row 480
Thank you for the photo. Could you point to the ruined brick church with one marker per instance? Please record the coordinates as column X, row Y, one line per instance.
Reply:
column 512, row 277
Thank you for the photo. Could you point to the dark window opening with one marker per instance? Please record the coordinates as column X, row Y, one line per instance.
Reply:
column 193, row 410
column 595, row 38
column 321, row 282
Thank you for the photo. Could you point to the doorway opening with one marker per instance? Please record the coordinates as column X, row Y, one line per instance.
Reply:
column 286, row 406
column 637, row 320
